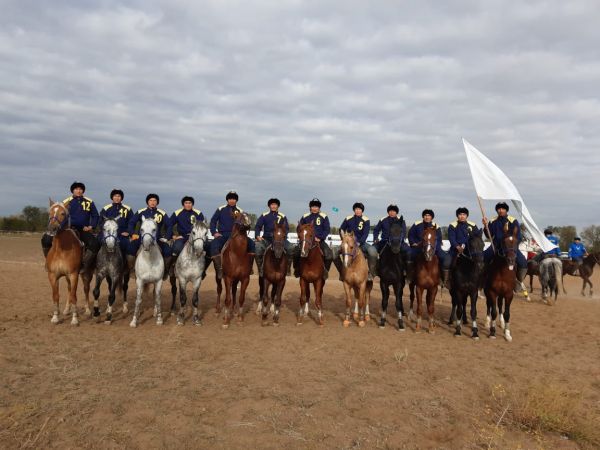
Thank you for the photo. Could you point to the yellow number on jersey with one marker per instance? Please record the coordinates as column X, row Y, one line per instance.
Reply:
column 86, row 205
column 360, row 225
column 123, row 212
column 158, row 218
column 318, row 221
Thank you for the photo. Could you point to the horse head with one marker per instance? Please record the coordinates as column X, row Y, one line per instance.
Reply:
column 509, row 246
column 198, row 236
column 241, row 220
column 58, row 217
column 395, row 239
column 278, row 240
column 428, row 242
column 475, row 247
column 110, row 233
column 349, row 247
column 306, row 237
column 148, row 231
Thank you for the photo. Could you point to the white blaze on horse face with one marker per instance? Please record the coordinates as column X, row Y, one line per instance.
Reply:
column 304, row 244
column 346, row 256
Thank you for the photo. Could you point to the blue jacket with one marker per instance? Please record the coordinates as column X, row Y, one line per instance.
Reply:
column 384, row 225
column 359, row 225
column 554, row 240
column 321, row 224
column 458, row 233
column 496, row 227
column 82, row 211
column 222, row 220
column 160, row 217
column 182, row 219
column 415, row 234
column 119, row 212
column 266, row 223
column 577, row 251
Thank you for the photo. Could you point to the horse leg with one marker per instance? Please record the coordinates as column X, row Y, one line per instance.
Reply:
column 182, row 302
column 411, row 290
column 348, row 295
column 87, row 278
column 385, row 294
column 398, row 288
column 419, row 295
column 459, row 301
column 500, row 308
column 261, row 294
column 55, row 296
column 506, row 318
column 196, row 301
column 280, row 286
column 173, row 282
column 67, row 304
column 125, row 288
column 454, row 296
column 302, row 301
column 491, row 307
column 431, row 293
column 264, row 303
column 474, row 329
column 74, row 278
column 368, row 289
column 96, row 293
column 112, row 289
column 139, row 289
column 227, row 314
column 362, row 292
column 219, row 291
column 157, row 305
column 319, row 300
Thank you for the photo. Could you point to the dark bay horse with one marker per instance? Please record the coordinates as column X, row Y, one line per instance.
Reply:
column 466, row 279
column 426, row 278
column 500, row 280
column 274, row 271
column 584, row 270
column 355, row 274
column 533, row 269
column 391, row 267
column 311, row 271
column 237, row 265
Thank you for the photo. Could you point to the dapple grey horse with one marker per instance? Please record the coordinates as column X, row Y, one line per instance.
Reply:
column 550, row 277
column 149, row 268
column 189, row 268
column 110, row 265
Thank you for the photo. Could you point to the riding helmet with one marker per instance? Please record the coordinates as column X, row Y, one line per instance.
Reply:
column 576, row 238
column 393, row 207
column 233, row 195
column 117, row 192
column 274, row 200
column 358, row 205
column 77, row 184
column 462, row 210
column 187, row 198
column 149, row 196
column 547, row 232
column 501, row 205
column 314, row 202
column 428, row 211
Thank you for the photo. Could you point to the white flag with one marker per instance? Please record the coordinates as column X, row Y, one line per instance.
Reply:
column 493, row 184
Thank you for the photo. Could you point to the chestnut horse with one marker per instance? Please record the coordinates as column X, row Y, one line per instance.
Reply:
column 355, row 272
column 274, row 272
column 237, row 265
column 426, row 277
column 586, row 268
column 500, row 283
column 311, row 271
column 63, row 259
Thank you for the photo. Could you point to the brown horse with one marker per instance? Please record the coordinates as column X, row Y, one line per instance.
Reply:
column 584, row 270
column 311, row 271
column 500, row 283
column 533, row 269
column 237, row 265
column 274, row 270
column 355, row 272
column 426, row 277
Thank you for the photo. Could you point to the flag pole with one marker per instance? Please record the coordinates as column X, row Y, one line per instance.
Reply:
column 486, row 225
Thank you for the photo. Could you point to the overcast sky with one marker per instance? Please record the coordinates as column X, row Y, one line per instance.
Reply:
column 345, row 101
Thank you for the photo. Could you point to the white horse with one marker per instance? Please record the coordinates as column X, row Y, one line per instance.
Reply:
column 189, row 268
column 550, row 277
column 149, row 268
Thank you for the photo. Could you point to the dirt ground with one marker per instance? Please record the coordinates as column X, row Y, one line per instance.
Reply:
column 111, row 386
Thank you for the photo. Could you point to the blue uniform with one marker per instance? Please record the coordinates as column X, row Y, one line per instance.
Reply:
column 320, row 222
column 458, row 234
column 556, row 250
column 496, row 227
column 383, row 226
column 266, row 223
column 164, row 229
column 122, row 214
column 359, row 226
column 415, row 237
column 82, row 211
column 182, row 219
column 577, row 251
column 222, row 222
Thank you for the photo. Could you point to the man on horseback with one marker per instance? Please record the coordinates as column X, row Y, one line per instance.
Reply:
column 577, row 252
column 383, row 227
column 415, row 236
column 266, row 223
column 221, row 225
column 165, row 231
column 359, row 224
column 121, row 213
column 554, row 253
column 496, row 230
column 182, row 221
column 322, row 230
column 83, row 217
column 458, row 234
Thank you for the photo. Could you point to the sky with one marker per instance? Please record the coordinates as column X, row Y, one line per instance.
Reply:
column 340, row 100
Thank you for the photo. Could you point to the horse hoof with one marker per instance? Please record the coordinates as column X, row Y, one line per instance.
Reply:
column 382, row 324
column 401, row 325
column 346, row 323
column 418, row 329
column 108, row 322
column 133, row 324
column 55, row 320
column 361, row 323
column 265, row 323
column 225, row 326
column 508, row 337
column 125, row 309
column 457, row 333
column 180, row 322
column 355, row 316
column 367, row 318
column 159, row 322
column 275, row 324
column 75, row 322
column 196, row 321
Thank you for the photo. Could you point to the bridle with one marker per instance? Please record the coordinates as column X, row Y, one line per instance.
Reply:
column 61, row 225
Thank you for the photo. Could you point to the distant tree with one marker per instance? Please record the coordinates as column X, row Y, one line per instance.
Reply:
column 35, row 217
column 253, row 219
column 566, row 235
column 292, row 227
column 444, row 232
column 334, row 230
column 13, row 223
column 591, row 238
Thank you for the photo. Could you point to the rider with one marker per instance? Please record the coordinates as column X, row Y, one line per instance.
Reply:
column 83, row 217
column 182, row 220
column 458, row 234
column 577, row 252
column 496, row 229
column 164, row 231
column 221, row 225
column 322, row 229
column 359, row 224
column 266, row 223
column 384, row 225
column 121, row 213
column 555, row 252
column 415, row 236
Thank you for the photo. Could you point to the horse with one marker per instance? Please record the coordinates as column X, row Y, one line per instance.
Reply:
column 63, row 259
column 466, row 280
column 533, row 269
column 311, row 271
column 275, row 264
column 149, row 268
column 550, row 277
column 391, row 269
column 426, row 277
column 189, row 268
column 110, row 264
column 355, row 272
column 237, row 265
column 584, row 270
column 500, row 282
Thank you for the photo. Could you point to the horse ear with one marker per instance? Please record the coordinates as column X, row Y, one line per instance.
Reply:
column 50, row 201
column 193, row 220
column 144, row 218
column 342, row 234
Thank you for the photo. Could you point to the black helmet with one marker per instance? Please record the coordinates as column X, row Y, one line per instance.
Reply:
column 428, row 211
column 149, row 196
column 77, row 184
column 547, row 231
column 117, row 192
column 233, row 195
column 314, row 202
column 273, row 200
column 576, row 238
column 393, row 207
column 462, row 210
column 358, row 205
column 187, row 198
column 503, row 205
